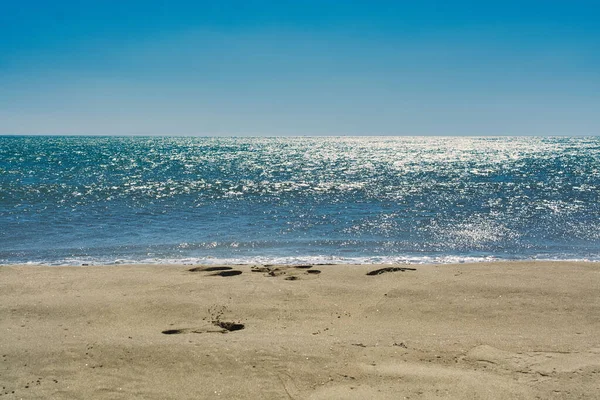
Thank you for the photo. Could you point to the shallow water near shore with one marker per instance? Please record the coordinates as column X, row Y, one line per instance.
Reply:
column 102, row 200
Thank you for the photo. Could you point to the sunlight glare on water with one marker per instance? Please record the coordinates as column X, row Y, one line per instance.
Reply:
column 70, row 200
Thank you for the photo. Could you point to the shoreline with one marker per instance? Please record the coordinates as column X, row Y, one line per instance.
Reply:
column 498, row 330
column 163, row 263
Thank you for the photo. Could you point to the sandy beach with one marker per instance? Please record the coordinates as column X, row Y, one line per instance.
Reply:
column 471, row 331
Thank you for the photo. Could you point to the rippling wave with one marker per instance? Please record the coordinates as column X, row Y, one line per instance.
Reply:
column 74, row 200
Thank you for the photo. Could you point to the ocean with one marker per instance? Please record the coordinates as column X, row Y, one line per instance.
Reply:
column 68, row 200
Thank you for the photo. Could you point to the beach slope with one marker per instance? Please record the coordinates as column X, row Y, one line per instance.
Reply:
column 474, row 331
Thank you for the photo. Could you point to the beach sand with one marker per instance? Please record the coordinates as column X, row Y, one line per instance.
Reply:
column 501, row 330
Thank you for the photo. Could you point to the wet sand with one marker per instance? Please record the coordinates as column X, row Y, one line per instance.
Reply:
column 471, row 331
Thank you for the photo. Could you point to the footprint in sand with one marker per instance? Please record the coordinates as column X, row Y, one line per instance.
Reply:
column 225, row 326
column 209, row 269
column 390, row 269
column 289, row 271
column 216, row 319
column 269, row 270
column 175, row 331
column 221, row 271
column 229, row 326
column 227, row 273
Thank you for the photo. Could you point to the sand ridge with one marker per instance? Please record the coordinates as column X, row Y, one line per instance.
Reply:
column 477, row 331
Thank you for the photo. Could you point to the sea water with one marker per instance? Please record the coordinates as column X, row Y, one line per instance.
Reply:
column 99, row 200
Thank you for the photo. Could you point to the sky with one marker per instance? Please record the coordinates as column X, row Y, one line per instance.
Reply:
column 279, row 68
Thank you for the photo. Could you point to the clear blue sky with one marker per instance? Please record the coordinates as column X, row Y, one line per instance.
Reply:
column 300, row 67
